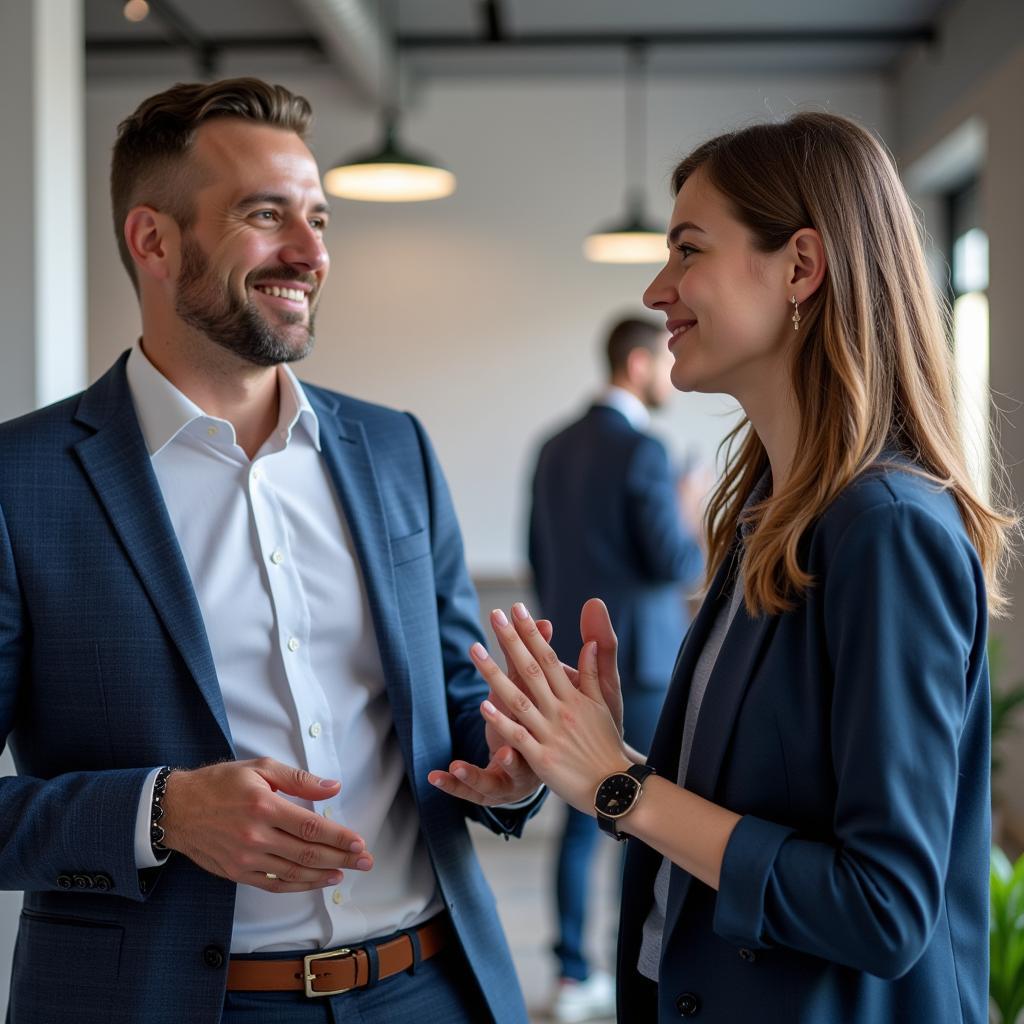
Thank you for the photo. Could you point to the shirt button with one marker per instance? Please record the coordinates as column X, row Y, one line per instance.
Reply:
column 212, row 431
column 327, row 812
column 255, row 474
column 293, row 644
column 314, row 730
column 336, row 896
column 277, row 557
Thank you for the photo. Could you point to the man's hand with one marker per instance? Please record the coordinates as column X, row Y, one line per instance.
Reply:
column 507, row 777
column 229, row 820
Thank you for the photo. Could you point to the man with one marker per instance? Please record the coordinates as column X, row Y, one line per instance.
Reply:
column 208, row 567
column 607, row 522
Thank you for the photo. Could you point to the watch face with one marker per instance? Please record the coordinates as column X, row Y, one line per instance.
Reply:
column 616, row 794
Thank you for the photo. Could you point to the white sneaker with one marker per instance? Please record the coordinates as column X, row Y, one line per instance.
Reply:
column 577, row 1001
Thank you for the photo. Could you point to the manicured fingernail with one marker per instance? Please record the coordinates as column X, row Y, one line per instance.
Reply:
column 498, row 616
column 519, row 610
column 460, row 773
column 439, row 782
column 479, row 651
column 364, row 863
column 489, row 708
column 334, row 877
column 328, row 783
column 507, row 760
column 356, row 846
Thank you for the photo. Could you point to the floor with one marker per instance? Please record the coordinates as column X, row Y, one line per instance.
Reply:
column 520, row 873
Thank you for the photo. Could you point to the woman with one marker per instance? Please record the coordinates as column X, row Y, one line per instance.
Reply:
column 813, row 845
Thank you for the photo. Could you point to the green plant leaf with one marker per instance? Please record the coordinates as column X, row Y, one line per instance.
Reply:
column 1006, row 935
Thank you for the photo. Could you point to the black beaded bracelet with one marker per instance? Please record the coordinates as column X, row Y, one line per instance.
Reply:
column 156, row 830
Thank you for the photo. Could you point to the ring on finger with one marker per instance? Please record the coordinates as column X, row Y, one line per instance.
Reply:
column 271, row 877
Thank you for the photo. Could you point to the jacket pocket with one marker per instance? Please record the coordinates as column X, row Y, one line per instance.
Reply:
column 409, row 548
column 64, row 964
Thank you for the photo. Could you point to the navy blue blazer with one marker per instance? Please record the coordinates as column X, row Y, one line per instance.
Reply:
column 604, row 522
column 106, row 672
column 852, row 735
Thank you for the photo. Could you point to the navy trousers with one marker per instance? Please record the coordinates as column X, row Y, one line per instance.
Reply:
column 442, row 991
column 579, row 839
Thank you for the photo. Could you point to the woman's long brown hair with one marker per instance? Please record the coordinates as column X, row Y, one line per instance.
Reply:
column 872, row 366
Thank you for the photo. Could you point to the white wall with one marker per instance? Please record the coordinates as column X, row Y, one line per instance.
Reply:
column 478, row 312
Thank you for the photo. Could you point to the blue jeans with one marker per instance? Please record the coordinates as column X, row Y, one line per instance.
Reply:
column 442, row 991
column 579, row 839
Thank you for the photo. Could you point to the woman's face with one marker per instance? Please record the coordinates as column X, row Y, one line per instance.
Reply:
column 726, row 304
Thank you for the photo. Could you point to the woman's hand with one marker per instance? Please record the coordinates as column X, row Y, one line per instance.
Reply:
column 596, row 625
column 566, row 732
column 507, row 778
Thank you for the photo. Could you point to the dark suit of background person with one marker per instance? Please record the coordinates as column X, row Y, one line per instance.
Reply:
column 606, row 522
column 105, row 671
column 823, row 721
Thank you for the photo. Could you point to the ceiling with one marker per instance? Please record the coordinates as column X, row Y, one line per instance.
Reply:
column 505, row 37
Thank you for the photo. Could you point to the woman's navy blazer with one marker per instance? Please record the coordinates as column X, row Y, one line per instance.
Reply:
column 852, row 735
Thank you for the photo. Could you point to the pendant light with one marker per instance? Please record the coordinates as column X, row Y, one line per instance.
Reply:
column 389, row 173
column 634, row 239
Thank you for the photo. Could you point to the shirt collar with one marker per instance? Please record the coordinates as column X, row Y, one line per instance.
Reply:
column 628, row 404
column 164, row 412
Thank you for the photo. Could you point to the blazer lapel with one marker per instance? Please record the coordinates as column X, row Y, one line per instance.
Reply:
column 350, row 464
column 117, row 463
column 729, row 680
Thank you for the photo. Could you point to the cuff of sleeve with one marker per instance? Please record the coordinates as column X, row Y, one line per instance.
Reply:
column 518, row 805
column 746, row 867
column 144, row 857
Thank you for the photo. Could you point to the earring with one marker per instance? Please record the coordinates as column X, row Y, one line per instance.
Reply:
column 796, row 314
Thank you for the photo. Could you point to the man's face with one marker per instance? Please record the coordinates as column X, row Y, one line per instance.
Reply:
column 658, row 387
column 253, row 260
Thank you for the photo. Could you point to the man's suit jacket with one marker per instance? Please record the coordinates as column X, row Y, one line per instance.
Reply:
column 852, row 735
column 605, row 523
column 106, row 672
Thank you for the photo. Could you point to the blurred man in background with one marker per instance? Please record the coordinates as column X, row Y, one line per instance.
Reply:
column 610, row 520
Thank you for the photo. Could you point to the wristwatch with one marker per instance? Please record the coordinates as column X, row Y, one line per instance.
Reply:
column 617, row 796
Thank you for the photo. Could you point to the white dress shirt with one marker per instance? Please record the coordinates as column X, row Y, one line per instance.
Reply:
column 628, row 404
column 271, row 559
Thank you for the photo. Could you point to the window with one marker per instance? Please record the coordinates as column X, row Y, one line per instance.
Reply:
column 968, row 260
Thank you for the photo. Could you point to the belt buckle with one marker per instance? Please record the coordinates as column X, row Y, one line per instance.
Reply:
column 309, row 977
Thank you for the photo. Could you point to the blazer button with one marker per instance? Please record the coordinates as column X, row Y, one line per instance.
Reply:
column 64, row 881
column 213, row 956
column 748, row 955
column 688, row 1005
column 104, row 883
column 82, row 882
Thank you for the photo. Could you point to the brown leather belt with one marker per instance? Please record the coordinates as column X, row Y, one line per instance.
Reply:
column 337, row 970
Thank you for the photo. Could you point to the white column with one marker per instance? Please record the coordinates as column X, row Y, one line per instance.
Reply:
column 42, row 203
column 42, row 259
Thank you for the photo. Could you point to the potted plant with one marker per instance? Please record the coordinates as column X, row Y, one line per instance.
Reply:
column 1006, row 937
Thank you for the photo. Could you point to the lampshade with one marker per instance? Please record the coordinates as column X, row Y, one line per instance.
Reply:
column 631, row 240
column 389, row 174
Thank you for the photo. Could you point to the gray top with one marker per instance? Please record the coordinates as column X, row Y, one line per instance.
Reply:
column 650, row 947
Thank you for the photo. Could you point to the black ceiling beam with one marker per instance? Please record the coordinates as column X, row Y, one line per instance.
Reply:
column 185, row 34
column 723, row 37
column 120, row 45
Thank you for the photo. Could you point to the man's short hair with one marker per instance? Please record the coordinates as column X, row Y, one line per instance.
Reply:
column 149, row 162
column 628, row 334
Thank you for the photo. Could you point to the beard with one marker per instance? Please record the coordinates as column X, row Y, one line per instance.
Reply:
column 237, row 324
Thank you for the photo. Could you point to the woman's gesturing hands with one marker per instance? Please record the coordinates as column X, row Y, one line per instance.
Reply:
column 566, row 728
